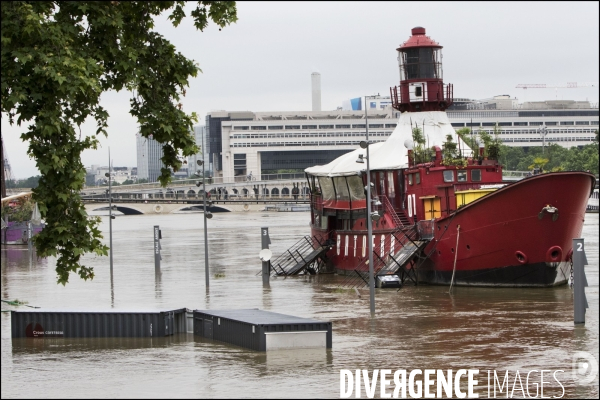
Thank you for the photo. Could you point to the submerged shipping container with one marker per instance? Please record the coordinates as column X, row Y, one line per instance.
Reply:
column 70, row 324
column 262, row 330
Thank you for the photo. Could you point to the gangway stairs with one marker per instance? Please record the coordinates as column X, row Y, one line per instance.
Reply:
column 396, row 265
column 410, row 252
column 307, row 255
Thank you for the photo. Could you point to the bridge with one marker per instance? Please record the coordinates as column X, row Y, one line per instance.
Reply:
column 129, row 206
column 274, row 192
column 276, row 186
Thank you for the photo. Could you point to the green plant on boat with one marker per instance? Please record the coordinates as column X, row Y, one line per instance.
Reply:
column 19, row 210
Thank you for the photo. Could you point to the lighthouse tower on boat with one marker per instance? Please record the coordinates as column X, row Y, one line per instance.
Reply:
column 421, row 77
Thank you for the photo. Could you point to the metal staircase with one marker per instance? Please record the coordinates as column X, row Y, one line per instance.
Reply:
column 403, row 262
column 399, row 220
column 307, row 255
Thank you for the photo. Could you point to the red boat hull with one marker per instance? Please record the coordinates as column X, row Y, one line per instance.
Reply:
column 520, row 235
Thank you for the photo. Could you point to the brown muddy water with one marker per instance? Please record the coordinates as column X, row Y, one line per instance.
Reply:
column 414, row 328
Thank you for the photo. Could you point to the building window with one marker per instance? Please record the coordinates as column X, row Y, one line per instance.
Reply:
column 390, row 125
column 458, row 124
column 259, row 128
column 448, row 176
column 418, row 178
column 462, row 176
column 358, row 126
column 325, row 126
column 488, row 124
column 292, row 127
column 343, row 126
column 536, row 123
column 551, row 123
column 593, row 122
column 274, row 127
column 567, row 123
column 476, row 175
column 504, row 123
column 410, row 179
column 520, row 123
column 582, row 123
column 375, row 125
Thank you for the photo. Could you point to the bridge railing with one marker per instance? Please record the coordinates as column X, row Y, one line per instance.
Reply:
column 515, row 174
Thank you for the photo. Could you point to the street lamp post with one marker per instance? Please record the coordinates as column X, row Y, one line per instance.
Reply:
column 207, row 215
column 110, row 214
column 365, row 145
column 543, row 131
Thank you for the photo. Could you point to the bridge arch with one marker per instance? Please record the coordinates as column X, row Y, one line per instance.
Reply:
column 126, row 210
column 199, row 207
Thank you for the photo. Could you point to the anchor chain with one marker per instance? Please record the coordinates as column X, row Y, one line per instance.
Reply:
column 571, row 279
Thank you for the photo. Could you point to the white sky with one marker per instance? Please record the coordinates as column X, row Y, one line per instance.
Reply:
column 264, row 61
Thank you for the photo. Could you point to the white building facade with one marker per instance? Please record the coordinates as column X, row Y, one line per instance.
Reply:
column 261, row 143
column 243, row 144
column 149, row 154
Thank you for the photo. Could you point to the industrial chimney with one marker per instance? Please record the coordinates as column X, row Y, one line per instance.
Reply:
column 316, row 91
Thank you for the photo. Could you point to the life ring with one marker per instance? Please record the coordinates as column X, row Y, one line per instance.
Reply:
column 158, row 208
column 246, row 207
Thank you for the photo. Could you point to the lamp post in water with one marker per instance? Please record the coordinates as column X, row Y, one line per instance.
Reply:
column 207, row 214
column 370, row 216
column 110, row 214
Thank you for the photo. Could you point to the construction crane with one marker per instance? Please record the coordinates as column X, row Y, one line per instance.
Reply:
column 570, row 85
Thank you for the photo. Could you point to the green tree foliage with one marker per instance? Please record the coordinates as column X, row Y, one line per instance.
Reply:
column 58, row 57
column 451, row 154
column 421, row 153
column 584, row 158
column 19, row 210
column 511, row 156
column 539, row 163
column 467, row 136
column 492, row 145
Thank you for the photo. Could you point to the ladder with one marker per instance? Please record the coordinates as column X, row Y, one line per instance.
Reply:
column 306, row 255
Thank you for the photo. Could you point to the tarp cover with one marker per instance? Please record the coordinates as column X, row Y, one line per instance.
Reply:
column 393, row 154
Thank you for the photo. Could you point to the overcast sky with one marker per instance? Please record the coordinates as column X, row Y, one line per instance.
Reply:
column 264, row 61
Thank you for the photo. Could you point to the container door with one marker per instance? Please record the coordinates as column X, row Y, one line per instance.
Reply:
column 208, row 329
column 167, row 321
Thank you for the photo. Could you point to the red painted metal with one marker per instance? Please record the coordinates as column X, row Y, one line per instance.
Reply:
column 419, row 39
column 517, row 234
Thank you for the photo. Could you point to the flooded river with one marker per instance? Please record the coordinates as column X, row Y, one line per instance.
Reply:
column 414, row 328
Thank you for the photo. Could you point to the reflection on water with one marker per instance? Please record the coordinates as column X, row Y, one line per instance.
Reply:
column 416, row 327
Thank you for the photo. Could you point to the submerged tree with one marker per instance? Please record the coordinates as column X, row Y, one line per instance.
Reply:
column 58, row 57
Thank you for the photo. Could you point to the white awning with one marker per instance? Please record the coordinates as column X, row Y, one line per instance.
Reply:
column 393, row 154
